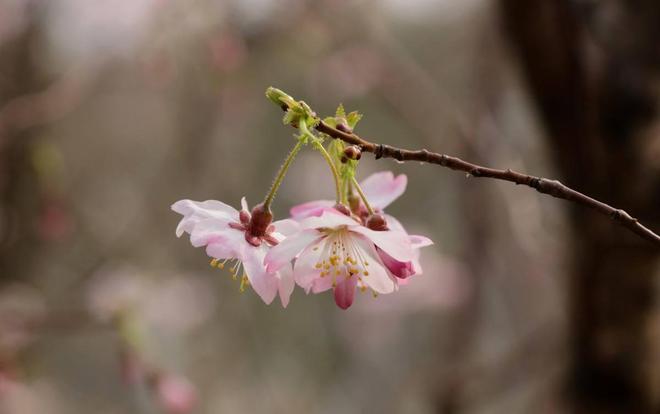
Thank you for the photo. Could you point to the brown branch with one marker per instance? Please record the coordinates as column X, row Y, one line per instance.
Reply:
column 542, row 185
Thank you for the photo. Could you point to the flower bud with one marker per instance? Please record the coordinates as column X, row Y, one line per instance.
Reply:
column 352, row 152
column 277, row 96
column 377, row 222
column 343, row 126
column 342, row 209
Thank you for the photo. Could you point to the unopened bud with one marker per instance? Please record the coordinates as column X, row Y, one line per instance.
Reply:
column 342, row 209
column 352, row 152
column 343, row 126
column 277, row 96
column 377, row 222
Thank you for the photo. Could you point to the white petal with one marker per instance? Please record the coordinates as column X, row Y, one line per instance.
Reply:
column 288, row 249
column 244, row 204
column 194, row 212
column 379, row 278
column 330, row 219
column 207, row 230
column 321, row 284
column 395, row 243
column 418, row 241
column 304, row 269
column 211, row 207
column 394, row 224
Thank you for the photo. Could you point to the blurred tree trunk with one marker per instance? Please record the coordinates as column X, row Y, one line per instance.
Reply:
column 593, row 70
column 18, row 195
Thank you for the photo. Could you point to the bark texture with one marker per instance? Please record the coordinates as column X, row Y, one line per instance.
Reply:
column 593, row 70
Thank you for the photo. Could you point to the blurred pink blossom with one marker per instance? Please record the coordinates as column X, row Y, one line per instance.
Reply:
column 176, row 394
column 54, row 222
column 228, row 51
column 21, row 308
column 172, row 302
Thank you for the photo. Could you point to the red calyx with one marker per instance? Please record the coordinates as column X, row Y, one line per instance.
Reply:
column 259, row 225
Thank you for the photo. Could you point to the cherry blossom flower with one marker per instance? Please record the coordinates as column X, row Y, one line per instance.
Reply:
column 336, row 251
column 381, row 189
column 240, row 240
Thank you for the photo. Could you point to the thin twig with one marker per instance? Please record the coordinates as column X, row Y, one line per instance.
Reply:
column 542, row 185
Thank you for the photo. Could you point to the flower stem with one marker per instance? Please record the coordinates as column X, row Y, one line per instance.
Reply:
column 280, row 175
column 362, row 196
column 317, row 145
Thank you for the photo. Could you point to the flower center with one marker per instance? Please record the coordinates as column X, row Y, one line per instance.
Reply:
column 256, row 226
column 342, row 257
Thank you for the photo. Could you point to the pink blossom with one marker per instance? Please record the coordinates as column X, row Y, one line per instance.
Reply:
column 240, row 238
column 176, row 394
column 336, row 251
column 381, row 189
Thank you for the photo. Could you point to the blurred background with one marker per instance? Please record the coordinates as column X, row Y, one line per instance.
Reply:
column 111, row 111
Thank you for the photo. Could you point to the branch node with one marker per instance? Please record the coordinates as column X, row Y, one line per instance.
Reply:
column 378, row 152
column 535, row 183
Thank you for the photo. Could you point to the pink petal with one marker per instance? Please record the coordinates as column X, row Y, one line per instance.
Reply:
column 264, row 283
column 286, row 285
column 207, row 231
column 220, row 251
column 286, row 227
column 382, row 188
column 395, row 243
column 312, row 208
column 399, row 269
column 288, row 249
column 226, row 245
column 345, row 292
